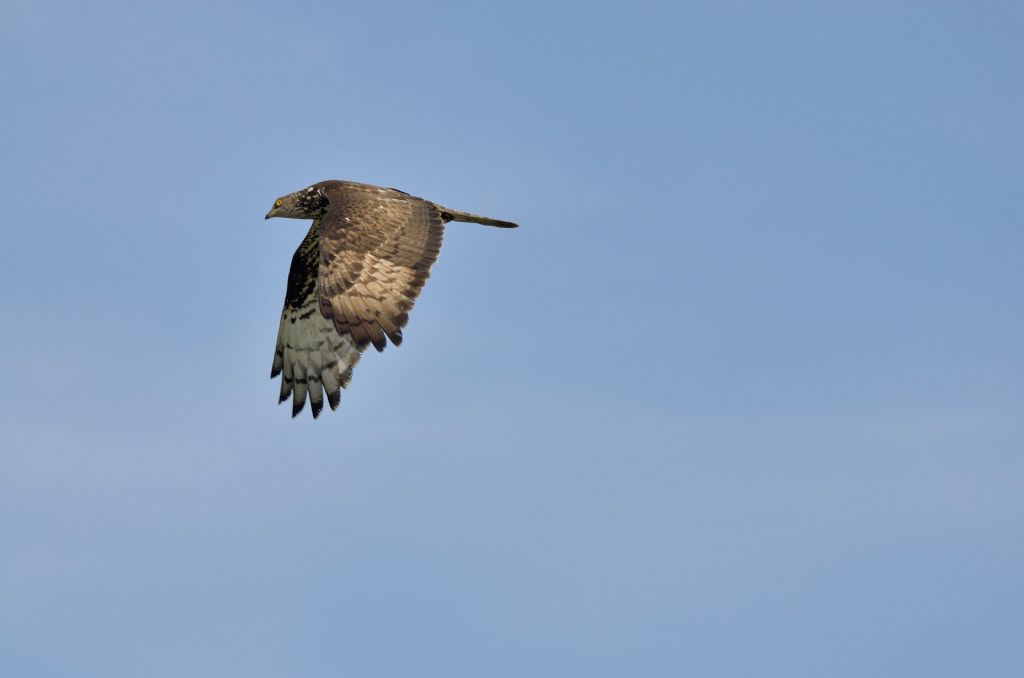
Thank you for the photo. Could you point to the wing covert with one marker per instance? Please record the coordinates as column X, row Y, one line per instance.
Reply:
column 376, row 250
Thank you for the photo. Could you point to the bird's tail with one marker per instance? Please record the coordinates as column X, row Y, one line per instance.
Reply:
column 456, row 215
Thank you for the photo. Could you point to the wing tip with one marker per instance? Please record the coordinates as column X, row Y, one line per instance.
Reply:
column 297, row 405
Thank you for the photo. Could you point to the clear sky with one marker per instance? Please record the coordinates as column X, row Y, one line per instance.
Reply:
column 744, row 396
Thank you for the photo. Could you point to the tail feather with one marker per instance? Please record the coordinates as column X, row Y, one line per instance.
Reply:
column 456, row 215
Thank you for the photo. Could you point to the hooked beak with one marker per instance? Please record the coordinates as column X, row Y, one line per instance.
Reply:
column 269, row 214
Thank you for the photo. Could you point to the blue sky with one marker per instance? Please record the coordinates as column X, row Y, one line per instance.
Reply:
column 741, row 397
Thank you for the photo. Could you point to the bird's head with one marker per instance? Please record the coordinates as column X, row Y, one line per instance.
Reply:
column 309, row 203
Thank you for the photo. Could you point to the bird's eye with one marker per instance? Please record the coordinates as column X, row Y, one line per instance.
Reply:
column 277, row 203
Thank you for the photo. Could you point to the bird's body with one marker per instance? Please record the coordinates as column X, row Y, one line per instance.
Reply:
column 353, row 280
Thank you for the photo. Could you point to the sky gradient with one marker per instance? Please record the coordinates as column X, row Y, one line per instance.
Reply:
column 742, row 397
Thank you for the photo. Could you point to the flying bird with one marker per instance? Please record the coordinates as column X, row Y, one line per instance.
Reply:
column 353, row 280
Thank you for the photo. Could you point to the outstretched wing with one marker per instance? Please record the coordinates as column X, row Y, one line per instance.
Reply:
column 311, row 356
column 376, row 249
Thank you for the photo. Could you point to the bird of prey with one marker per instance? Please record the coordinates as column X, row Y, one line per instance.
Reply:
column 353, row 280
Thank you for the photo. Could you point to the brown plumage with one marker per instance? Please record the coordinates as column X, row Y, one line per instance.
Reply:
column 353, row 280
